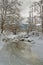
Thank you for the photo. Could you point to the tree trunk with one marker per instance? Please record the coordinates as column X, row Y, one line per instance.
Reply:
column 42, row 13
column 2, row 14
column 2, row 26
column 42, row 19
column 42, row 25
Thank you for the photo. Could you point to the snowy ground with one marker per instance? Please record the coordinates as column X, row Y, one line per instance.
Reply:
column 36, row 49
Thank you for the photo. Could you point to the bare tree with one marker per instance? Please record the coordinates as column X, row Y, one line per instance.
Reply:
column 10, row 11
column 36, row 7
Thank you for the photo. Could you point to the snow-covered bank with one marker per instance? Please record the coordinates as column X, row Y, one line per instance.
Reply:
column 34, row 40
column 25, row 48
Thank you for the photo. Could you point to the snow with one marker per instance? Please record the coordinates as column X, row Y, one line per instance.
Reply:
column 38, row 46
column 38, row 24
column 27, row 52
column 22, row 34
column 12, row 36
column 36, row 41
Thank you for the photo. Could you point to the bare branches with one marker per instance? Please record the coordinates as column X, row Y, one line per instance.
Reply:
column 10, row 10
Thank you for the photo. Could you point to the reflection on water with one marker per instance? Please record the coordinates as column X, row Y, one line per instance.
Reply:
column 18, row 54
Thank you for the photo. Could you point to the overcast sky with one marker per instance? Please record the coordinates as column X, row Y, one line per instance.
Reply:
column 25, row 7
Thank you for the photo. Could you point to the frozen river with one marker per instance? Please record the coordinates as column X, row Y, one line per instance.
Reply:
column 11, row 55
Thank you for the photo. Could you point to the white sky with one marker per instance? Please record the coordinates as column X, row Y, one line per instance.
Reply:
column 25, row 7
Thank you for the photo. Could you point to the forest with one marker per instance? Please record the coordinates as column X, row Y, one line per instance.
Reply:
column 21, row 32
